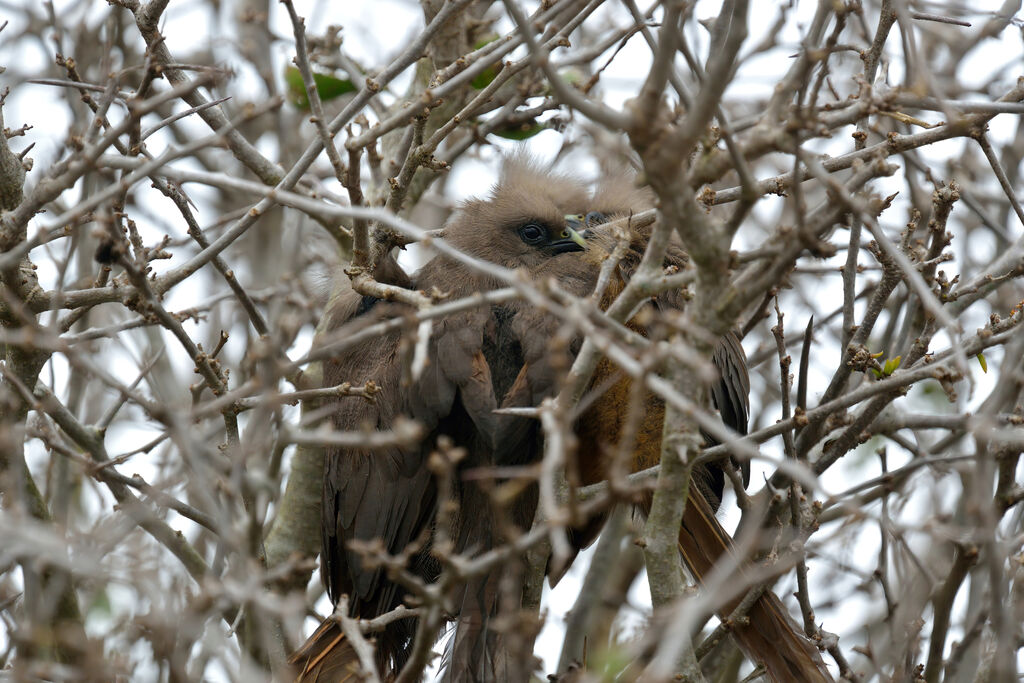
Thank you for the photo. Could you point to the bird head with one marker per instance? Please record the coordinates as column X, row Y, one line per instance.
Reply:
column 522, row 224
column 545, row 223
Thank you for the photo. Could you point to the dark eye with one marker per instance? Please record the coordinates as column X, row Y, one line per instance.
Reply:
column 531, row 233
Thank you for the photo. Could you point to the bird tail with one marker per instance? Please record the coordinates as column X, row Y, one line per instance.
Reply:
column 472, row 652
column 326, row 657
column 771, row 636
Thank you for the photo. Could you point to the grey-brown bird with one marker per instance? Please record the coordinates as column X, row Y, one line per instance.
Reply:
column 481, row 360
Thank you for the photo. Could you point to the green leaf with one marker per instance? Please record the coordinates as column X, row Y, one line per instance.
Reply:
column 327, row 87
column 484, row 78
column 888, row 367
column 486, row 40
column 572, row 77
column 983, row 363
column 524, row 131
column 610, row 663
column 100, row 604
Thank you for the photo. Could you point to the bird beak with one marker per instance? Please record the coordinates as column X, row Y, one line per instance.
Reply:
column 569, row 239
column 574, row 236
column 577, row 237
column 576, row 221
column 582, row 223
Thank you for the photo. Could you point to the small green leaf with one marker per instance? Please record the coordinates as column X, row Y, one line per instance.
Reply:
column 572, row 77
column 484, row 78
column 327, row 87
column 983, row 363
column 523, row 131
column 486, row 40
column 891, row 365
column 100, row 604
column 610, row 662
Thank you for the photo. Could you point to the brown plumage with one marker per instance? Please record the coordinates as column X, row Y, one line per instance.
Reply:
column 481, row 360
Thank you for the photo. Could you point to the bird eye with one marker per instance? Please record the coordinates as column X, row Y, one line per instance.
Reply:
column 531, row 233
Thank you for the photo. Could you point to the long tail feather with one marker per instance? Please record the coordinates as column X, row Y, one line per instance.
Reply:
column 771, row 637
column 326, row 657
column 472, row 653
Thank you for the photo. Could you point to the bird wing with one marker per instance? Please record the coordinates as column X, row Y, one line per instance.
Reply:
column 390, row 495
column 372, row 495
column 731, row 393
column 528, row 362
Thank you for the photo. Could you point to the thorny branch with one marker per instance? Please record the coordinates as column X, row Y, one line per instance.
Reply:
column 867, row 182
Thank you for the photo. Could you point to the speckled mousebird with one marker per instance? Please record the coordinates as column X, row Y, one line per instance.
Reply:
column 552, row 228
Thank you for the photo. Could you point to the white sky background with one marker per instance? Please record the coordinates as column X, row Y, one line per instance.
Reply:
column 374, row 32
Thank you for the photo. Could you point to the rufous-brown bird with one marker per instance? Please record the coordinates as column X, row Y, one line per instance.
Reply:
column 493, row 356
